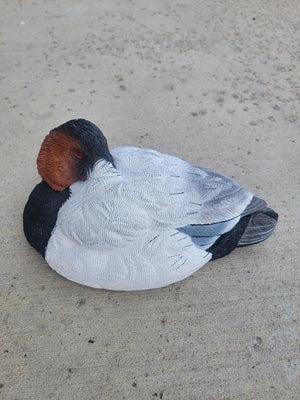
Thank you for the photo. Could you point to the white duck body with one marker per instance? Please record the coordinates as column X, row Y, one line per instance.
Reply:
column 145, row 224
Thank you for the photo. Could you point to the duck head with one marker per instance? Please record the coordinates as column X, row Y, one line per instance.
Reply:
column 69, row 152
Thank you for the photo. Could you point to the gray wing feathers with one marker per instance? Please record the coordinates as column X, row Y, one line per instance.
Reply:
column 255, row 205
column 204, row 236
column 260, row 227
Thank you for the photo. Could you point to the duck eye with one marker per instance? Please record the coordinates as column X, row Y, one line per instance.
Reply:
column 77, row 155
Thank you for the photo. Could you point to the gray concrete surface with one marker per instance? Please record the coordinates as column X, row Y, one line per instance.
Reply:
column 216, row 83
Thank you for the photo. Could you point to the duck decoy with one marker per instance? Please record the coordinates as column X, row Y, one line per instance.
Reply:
column 131, row 218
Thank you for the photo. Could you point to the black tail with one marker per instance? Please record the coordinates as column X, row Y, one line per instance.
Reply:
column 259, row 228
column 252, row 228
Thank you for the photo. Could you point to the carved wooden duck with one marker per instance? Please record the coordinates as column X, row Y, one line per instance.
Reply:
column 130, row 218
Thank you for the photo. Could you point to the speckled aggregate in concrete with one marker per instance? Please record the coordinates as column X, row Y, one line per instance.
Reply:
column 216, row 83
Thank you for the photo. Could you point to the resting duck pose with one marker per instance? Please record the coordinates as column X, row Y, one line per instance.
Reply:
column 130, row 218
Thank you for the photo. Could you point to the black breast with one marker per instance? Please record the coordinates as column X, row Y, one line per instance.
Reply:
column 40, row 214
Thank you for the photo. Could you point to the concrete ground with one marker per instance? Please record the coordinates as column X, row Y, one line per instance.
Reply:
column 216, row 83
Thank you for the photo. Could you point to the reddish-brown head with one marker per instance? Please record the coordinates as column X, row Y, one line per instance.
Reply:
column 58, row 161
column 68, row 153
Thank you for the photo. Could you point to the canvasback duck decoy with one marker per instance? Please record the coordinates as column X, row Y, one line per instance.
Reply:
column 131, row 218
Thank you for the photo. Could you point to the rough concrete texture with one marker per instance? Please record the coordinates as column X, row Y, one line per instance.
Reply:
column 216, row 83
